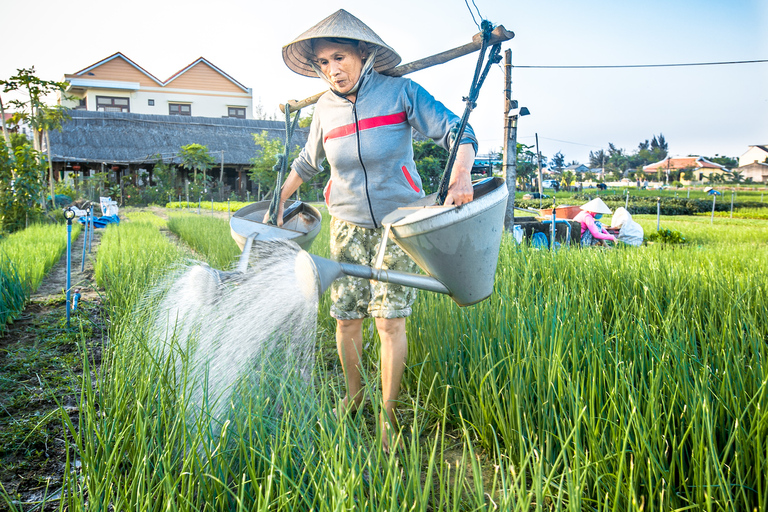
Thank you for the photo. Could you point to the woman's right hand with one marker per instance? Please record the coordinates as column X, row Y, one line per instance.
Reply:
column 279, row 215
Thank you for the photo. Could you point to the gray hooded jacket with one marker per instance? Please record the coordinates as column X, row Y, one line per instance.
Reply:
column 368, row 146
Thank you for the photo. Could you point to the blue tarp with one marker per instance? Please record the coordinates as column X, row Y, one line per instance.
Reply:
column 102, row 222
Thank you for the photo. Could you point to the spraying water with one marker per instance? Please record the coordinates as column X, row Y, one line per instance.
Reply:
column 243, row 335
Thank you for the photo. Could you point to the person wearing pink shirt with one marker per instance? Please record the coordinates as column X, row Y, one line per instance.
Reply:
column 592, row 230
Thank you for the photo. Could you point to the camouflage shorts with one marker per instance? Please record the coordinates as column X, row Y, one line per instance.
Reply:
column 354, row 298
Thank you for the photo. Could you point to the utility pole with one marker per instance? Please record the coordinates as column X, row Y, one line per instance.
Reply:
column 538, row 156
column 510, row 144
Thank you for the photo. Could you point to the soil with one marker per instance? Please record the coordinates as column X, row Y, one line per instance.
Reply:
column 41, row 364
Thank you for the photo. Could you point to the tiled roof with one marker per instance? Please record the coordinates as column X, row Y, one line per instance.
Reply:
column 688, row 162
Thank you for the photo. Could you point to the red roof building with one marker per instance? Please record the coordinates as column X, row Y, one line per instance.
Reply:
column 698, row 164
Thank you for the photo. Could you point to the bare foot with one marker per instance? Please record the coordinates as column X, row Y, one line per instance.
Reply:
column 390, row 434
column 345, row 406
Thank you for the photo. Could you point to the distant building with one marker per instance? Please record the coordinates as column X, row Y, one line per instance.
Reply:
column 128, row 144
column 700, row 166
column 576, row 168
column 14, row 127
column 755, row 154
column 117, row 84
column 758, row 171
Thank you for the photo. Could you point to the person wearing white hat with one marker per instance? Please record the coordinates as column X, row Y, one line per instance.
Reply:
column 592, row 231
column 363, row 127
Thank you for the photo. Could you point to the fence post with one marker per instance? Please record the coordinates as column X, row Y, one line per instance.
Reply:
column 732, row 193
column 712, row 219
column 658, row 213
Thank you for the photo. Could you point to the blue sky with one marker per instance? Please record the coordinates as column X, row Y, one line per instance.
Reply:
column 700, row 110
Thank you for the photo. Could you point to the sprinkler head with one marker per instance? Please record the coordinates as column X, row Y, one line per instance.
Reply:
column 69, row 214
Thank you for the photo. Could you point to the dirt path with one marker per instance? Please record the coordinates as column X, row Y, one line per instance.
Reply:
column 55, row 283
column 41, row 364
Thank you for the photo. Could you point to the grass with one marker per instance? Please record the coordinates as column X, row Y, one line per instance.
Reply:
column 219, row 206
column 130, row 258
column 25, row 258
column 635, row 375
column 626, row 379
column 139, row 450
column 149, row 217
column 208, row 236
column 743, row 213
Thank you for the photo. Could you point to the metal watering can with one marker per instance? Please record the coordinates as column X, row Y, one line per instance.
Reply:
column 457, row 246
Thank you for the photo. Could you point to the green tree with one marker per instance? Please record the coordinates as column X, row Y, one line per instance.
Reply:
column 527, row 164
column 20, row 184
column 736, row 176
column 597, row 158
column 267, row 152
column 196, row 157
column 568, row 179
column 558, row 162
column 725, row 161
column 305, row 121
column 659, row 147
column 35, row 112
column 430, row 162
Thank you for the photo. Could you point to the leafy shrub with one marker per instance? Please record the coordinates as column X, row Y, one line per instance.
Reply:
column 667, row 236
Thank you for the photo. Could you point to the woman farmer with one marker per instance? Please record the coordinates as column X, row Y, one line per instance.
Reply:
column 592, row 231
column 362, row 127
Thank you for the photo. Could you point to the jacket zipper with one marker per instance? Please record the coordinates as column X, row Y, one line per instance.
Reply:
column 365, row 172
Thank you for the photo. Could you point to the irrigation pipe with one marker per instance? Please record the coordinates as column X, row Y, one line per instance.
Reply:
column 85, row 241
column 69, row 214
column 90, row 237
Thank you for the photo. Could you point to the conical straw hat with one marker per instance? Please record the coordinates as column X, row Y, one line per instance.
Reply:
column 341, row 24
column 596, row 206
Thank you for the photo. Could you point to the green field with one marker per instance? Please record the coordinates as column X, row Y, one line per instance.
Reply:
column 619, row 379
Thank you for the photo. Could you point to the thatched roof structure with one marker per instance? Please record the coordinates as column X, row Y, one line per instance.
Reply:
column 123, row 138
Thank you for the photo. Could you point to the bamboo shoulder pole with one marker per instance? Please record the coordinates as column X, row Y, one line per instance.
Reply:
column 499, row 35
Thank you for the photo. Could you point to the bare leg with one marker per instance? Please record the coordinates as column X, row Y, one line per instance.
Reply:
column 394, row 350
column 349, row 344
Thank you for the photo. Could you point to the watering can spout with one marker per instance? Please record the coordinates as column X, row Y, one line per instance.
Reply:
column 321, row 270
column 325, row 271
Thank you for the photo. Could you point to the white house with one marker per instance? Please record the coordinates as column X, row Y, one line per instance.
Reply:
column 117, row 84
column 758, row 171
column 755, row 154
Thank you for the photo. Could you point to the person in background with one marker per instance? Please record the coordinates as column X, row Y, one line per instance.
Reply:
column 592, row 230
column 630, row 232
column 363, row 127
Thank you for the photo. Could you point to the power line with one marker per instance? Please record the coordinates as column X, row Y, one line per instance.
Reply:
column 473, row 14
column 624, row 66
column 563, row 141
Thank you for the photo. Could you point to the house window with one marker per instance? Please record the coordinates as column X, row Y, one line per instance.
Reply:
column 238, row 112
column 180, row 109
column 82, row 104
column 151, row 103
column 112, row 104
